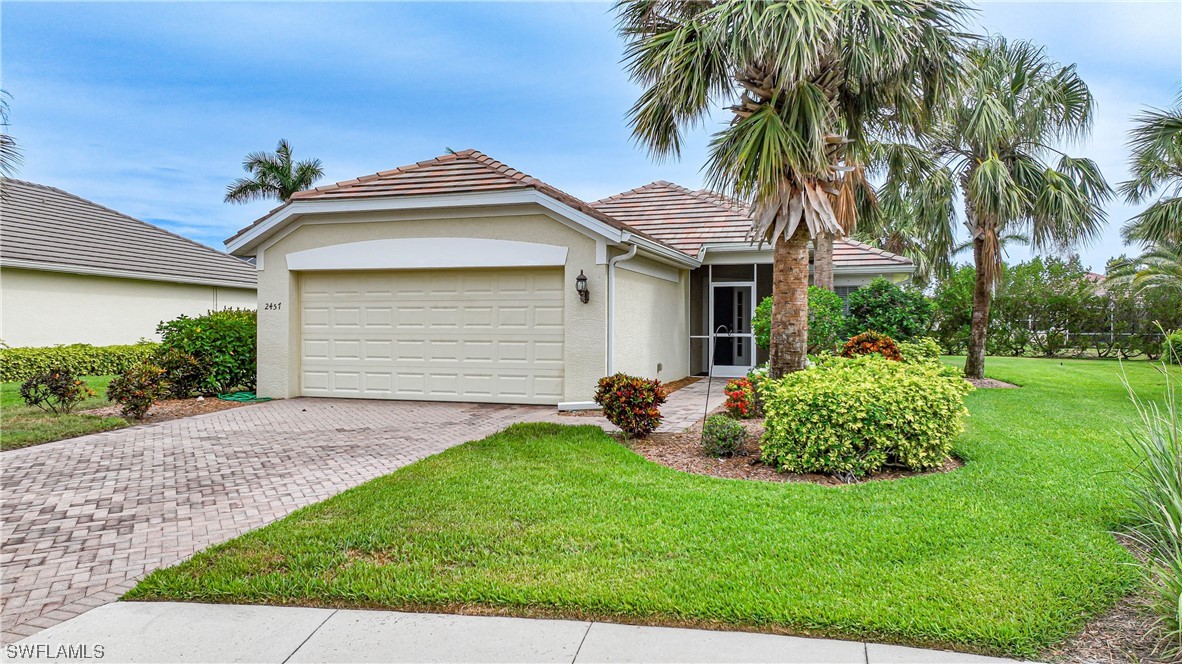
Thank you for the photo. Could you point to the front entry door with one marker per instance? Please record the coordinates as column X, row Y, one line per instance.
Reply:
column 732, row 342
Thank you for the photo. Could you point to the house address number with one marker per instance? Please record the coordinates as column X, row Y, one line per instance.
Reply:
column 272, row 306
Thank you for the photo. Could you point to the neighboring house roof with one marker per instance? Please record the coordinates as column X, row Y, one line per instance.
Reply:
column 689, row 220
column 44, row 228
column 466, row 171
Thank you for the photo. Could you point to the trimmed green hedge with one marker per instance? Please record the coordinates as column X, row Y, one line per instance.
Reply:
column 18, row 364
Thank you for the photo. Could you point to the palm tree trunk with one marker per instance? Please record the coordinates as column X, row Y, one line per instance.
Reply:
column 974, row 366
column 823, row 261
column 790, row 302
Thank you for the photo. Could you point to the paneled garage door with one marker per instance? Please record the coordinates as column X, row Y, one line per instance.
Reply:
column 438, row 335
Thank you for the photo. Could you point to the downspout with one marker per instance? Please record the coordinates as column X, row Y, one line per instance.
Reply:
column 611, row 304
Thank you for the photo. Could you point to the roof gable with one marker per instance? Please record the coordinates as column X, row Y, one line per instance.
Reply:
column 464, row 172
column 49, row 229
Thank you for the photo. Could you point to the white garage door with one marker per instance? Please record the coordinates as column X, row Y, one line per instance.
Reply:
column 438, row 335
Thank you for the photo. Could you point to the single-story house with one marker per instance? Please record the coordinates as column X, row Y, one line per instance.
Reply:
column 73, row 271
column 462, row 279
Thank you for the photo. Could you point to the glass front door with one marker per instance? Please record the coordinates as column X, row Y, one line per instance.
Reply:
column 732, row 343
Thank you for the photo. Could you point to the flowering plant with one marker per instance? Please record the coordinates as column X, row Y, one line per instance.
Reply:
column 740, row 398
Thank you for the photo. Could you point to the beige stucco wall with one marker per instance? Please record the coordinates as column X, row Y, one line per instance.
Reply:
column 651, row 323
column 39, row 308
column 279, row 345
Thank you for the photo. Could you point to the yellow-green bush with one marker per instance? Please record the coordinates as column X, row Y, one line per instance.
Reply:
column 20, row 364
column 920, row 349
column 852, row 416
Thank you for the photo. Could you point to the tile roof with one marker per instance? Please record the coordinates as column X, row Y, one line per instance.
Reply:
column 682, row 219
column 686, row 220
column 669, row 214
column 46, row 228
column 465, row 171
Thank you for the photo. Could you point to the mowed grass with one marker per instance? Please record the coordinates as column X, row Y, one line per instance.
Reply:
column 1007, row 555
column 22, row 426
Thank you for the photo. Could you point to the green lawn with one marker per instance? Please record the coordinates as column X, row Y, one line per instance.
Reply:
column 21, row 426
column 1007, row 555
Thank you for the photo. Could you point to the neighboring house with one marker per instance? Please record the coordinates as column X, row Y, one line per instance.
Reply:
column 456, row 279
column 73, row 271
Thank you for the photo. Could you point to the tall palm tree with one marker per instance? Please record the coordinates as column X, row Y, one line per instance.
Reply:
column 1156, row 145
column 801, row 79
column 996, row 148
column 274, row 175
column 10, row 154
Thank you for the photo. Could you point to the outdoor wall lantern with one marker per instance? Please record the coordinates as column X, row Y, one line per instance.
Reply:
column 581, row 287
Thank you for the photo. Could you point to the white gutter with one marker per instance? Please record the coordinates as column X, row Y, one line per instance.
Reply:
column 611, row 303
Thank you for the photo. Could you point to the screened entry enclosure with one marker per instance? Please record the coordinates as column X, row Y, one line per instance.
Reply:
column 722, row 303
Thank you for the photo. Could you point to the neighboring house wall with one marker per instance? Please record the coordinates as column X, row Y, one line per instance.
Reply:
column 279, row 328
column 41, row 308
column 651, row 320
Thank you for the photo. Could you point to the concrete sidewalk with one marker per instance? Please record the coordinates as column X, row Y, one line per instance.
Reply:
column 176, row 632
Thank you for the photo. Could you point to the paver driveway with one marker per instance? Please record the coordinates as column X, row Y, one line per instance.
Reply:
column 83, row 519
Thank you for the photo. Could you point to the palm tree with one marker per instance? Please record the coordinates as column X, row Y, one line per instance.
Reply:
column 1156, row 144
column 802, row 79
column 10, row 155
column 1158, row 268
column 996, row 149
column 895, row 228
column 855, row 198
column 274, row 175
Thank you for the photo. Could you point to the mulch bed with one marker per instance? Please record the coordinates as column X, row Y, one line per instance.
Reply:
column 669, row 388
column 683, row 451
column 1120, row 635
column 989, row 383
column 170, row 409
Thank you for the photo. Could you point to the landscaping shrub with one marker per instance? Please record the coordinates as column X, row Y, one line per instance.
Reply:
column 852, row 416
column 900, row 313
column 921, row 349
column 827, row 321
column 723, row 436
column 223, row 344
column 55, row 392
column 740, row 398
column 19, row 364
column 183, row 372
column 633, row 404
column 872, row 343
column 1155, row 485
column 138, row 388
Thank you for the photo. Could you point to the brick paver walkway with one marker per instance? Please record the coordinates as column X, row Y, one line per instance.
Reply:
column 83, row 519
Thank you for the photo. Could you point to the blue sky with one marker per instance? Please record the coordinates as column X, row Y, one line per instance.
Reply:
column 148, row 108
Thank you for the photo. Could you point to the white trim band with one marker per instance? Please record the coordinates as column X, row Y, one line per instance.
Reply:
column 427, row 253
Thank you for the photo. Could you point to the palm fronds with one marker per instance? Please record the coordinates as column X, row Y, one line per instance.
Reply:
column 1156, row 146
column 1158, row 268
column 274, row 175
column 10, row 154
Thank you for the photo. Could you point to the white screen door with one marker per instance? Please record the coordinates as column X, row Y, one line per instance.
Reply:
column 732, row 342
